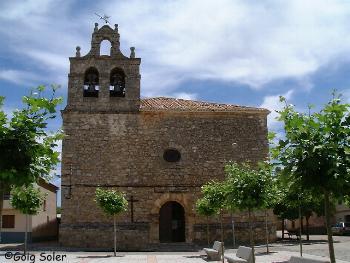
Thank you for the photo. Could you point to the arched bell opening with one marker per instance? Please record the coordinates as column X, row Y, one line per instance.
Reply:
column 105, row 48
column 117, row 83
column 91, row 83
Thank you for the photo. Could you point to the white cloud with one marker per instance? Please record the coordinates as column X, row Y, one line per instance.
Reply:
column 251, row 42
column 273, row 104
column 185, row 96
column 244, row 41
column 346, row 95
column 49, row 59
column 19, row 77
column 8, row 111
column 19, row 9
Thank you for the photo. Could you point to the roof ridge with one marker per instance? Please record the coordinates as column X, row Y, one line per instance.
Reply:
column 183, row 105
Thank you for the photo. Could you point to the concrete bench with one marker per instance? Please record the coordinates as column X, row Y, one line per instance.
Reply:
column 294, row 259
column 215, row 252
column 244, row 254
column 292, row 233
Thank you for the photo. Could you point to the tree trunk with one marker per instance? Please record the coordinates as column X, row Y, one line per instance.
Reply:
column 233, row 231
column 26, row 236
column 115, row 235
column 282, row 229
column 328, row 226
column 300, row 222
column 222, row 238
column 1, row 207
column 302, row 225
column 208, row 239
column 307, row 228
column 267, row 233
column 251, row 234
column 3, row 189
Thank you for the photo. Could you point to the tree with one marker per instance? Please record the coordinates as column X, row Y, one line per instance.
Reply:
column 230, row 207
column 112, row 202
column 246, row 188
column 310, row 204
column 26, row 146
column 292, row 202
column 203, row 208
column 316, row 152
column 215, row 193
column 270, row 193
column 28, row 200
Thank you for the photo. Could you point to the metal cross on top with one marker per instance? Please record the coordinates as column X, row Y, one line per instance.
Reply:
column 132, row 201
column 104, row 18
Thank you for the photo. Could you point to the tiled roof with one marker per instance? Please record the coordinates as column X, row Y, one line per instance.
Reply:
column 172, row 104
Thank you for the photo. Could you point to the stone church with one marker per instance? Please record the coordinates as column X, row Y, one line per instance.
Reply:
column 158, row 151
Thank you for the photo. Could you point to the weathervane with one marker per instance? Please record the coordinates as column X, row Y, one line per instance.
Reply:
column 104, row 18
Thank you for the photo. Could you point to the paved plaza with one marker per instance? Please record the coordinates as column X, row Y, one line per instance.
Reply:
column 317, row 247
column 145, row 257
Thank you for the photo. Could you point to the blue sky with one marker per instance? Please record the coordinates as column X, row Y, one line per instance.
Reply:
column 228, row 51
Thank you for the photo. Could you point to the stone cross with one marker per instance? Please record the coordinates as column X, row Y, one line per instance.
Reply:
column 132, row 201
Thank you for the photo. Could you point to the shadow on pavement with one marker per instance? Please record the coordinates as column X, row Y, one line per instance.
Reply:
column 265, row 253
column 203, row 257
column 109, row 256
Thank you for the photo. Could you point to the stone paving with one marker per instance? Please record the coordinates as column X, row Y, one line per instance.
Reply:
column 281, row 252
column 143, row 257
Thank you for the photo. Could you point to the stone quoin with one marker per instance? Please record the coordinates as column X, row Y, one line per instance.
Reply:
column 159, row 151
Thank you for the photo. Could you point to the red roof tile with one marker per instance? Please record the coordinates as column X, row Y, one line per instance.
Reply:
column 172, row 104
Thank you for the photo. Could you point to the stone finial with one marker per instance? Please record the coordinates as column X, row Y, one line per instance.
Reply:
column 96, row 27
column 77, row 54
column 116, row 28
column 132, row 53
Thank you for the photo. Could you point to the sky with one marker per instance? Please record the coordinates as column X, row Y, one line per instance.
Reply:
column 245, row 52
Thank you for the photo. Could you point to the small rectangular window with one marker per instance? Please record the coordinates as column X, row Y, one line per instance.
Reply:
column 8, row 221
column 7, row 195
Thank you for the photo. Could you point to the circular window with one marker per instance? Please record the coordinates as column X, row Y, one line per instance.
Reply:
column 172, row 155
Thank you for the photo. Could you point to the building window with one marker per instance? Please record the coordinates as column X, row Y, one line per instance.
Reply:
column 117, row 83
column 172, row 155
column 7, row 195
column 91, row 83
column 347, row 218
column 8, row 221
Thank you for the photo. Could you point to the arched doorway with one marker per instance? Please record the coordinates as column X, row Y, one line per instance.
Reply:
column 171, row 223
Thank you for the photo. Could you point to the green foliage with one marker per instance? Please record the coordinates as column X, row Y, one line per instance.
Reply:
column 58, row 210
column 247, row 187
column 283, row 206
column 27, row 199
column 288, row 195
column 315, row 154
column 215, row 194
column 347, row 200
column 112, row 202
column 316, row 148
column 26, row 147
column 204, row 208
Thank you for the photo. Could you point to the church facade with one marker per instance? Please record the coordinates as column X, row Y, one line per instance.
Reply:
column 158, row 151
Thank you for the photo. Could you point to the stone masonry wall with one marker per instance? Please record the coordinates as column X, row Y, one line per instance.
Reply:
column 125, row 151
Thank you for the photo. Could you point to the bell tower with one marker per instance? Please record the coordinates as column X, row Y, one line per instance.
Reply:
column 104, row 83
